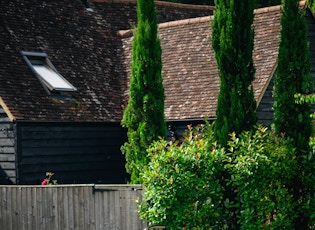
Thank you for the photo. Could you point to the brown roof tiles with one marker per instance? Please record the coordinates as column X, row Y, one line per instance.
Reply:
column 190, row 72
column 84, row 48
column 87, row 50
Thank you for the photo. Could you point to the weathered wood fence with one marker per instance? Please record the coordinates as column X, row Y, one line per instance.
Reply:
column 88, row 207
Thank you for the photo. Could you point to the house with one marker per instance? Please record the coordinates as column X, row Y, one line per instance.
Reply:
column 61, row 88
column 64, row 71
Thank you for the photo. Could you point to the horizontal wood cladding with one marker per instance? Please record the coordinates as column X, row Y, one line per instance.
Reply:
column 265, row 108
column 7, row 150
column 76, row 153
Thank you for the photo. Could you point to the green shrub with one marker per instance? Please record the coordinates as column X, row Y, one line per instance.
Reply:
column 308, row 178
column 187, row 186
column 182, row 183
column 311, row 4
column 262, row 172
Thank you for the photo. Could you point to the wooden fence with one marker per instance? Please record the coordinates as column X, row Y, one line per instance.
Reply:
column 88, row 207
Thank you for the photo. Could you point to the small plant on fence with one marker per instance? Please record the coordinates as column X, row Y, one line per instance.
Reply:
column 48, row 180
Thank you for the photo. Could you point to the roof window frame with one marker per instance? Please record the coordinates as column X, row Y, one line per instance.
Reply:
column 34, row 59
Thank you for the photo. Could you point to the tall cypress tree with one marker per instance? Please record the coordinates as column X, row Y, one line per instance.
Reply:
column 293, row 76
column 233, row 41
column 144, row 114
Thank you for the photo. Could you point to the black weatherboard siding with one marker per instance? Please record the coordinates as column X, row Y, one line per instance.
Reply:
column 75, row 152
column 7, row 150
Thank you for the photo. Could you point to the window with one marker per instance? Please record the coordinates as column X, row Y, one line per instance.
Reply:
column 44, row 70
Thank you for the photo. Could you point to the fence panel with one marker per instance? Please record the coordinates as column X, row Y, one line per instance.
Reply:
column 66, row 207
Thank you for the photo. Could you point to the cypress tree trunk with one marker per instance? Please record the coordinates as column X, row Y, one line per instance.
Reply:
column 293, row 76
column 144, row 114
column 233, row 40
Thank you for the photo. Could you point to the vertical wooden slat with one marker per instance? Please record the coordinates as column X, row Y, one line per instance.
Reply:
column 39, row 207
column 81, row 211
column 34, row 209
column 71, row 207
column 55, row 208
column 24, row 208
column 75, row 207
column 85, row 211
column 60, row 208
column 29, row 209
column 99, row 212
column 66, row 218
column 91, row 208
column 12, row 205
column 2, row 207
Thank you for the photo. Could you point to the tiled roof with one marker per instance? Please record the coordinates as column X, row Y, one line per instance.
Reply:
column 190, row 72
column 84, row 48
column 87, row 50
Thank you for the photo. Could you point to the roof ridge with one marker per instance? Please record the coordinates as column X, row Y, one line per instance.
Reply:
column 129, row 32
column 275, row 8
column 162, row 3
column 267, row 9
column 185, row 21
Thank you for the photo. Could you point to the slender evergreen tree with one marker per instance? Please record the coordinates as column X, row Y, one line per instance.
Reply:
column 144, row 114
column 232, row 41
column 293, row 76
column 291, row 119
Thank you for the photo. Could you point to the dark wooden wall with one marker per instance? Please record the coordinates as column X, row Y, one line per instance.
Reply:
column 264, row 110
column 75, row 153
column 7, row 150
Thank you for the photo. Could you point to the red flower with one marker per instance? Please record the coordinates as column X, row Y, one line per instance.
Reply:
column 45, row 182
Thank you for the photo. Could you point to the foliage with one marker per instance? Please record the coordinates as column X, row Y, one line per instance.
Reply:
column 311, row 4
column 308, row 178
column 293, row 77
column 144, row 114
column 183, row 187
column 300, row 99
column 233, row 46
column 263, row 167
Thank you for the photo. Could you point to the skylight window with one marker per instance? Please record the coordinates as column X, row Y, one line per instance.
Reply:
column 47, row 73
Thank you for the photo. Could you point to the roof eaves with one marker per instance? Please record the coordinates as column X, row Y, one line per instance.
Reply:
column 7, row 110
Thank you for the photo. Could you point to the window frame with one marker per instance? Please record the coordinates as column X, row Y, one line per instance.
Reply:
column 39, row 58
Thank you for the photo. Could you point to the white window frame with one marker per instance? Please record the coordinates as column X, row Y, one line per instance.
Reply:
column 46, row 73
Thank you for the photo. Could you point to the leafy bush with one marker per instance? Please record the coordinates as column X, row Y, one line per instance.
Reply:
column 182, row 183
column 311, row 4
column 308, row 178
column 186, row 186
column 262, row 171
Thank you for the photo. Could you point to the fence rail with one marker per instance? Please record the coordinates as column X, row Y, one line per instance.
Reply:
column 58, row 207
